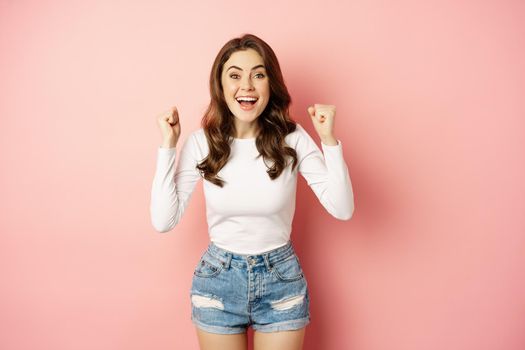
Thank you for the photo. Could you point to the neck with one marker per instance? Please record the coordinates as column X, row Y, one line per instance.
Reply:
column 246, row 131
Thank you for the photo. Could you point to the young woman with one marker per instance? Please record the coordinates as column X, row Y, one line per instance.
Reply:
column 248, row 153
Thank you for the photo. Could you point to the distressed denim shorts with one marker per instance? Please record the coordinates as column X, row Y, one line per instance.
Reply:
column 231, row 291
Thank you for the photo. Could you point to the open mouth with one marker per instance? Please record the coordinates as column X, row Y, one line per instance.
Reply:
column 247, row 101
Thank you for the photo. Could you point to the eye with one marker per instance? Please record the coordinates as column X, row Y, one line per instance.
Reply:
column 259, row 75
column 234, row 75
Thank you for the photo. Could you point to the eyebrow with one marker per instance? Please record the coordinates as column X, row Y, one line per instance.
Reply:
column 259, row 66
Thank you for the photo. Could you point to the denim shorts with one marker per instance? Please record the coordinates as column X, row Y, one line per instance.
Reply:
column 231, row 291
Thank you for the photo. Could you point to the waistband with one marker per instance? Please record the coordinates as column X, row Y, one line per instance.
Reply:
column 267, row 258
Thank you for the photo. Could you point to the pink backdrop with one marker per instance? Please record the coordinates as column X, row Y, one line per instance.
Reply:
column 430, row 111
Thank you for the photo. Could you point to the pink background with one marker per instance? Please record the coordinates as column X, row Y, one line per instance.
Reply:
column 430, row 111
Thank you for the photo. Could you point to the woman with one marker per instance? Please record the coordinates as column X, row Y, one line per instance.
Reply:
column 248, row 153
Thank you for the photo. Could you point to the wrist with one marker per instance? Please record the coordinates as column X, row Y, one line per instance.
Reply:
column 168, row 144
column 330, row 140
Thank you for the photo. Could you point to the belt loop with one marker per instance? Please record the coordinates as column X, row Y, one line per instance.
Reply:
column 267, row 262
column 228, row 261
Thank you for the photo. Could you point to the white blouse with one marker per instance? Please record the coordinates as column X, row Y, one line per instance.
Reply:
column 251, row 213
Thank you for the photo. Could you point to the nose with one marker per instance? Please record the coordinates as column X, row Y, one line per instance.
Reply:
column 246, row 83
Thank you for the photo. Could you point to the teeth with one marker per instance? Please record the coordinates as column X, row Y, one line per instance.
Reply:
column 246, row 99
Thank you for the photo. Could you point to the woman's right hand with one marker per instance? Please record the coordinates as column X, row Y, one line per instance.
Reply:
column 169, row 125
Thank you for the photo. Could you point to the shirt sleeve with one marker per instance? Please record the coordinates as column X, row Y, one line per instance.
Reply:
column 327, row 175
column 173, row 186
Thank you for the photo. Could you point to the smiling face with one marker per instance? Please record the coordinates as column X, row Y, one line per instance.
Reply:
column 246, row 87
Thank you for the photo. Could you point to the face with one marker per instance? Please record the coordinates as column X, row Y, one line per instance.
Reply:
column 244, row 75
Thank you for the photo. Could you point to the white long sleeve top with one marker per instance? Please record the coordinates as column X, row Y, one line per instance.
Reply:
column 251, row 213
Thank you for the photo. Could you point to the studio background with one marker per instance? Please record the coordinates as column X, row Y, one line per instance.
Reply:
column 430, row 113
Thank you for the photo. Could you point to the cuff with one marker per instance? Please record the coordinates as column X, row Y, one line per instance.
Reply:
column 163, row 150
column 339, row 145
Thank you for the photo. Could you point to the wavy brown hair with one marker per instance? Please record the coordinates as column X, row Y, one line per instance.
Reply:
column 274, row 123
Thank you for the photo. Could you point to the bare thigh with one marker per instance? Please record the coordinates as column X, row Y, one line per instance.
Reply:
column 285, row 340
column 212, row 341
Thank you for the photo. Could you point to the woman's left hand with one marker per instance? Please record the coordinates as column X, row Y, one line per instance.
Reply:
column 323, row 119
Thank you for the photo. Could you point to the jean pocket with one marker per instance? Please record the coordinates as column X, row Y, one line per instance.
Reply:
column 207, row 267
column 288, row 270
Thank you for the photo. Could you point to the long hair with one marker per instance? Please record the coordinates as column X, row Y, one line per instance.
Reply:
column 274, row 123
